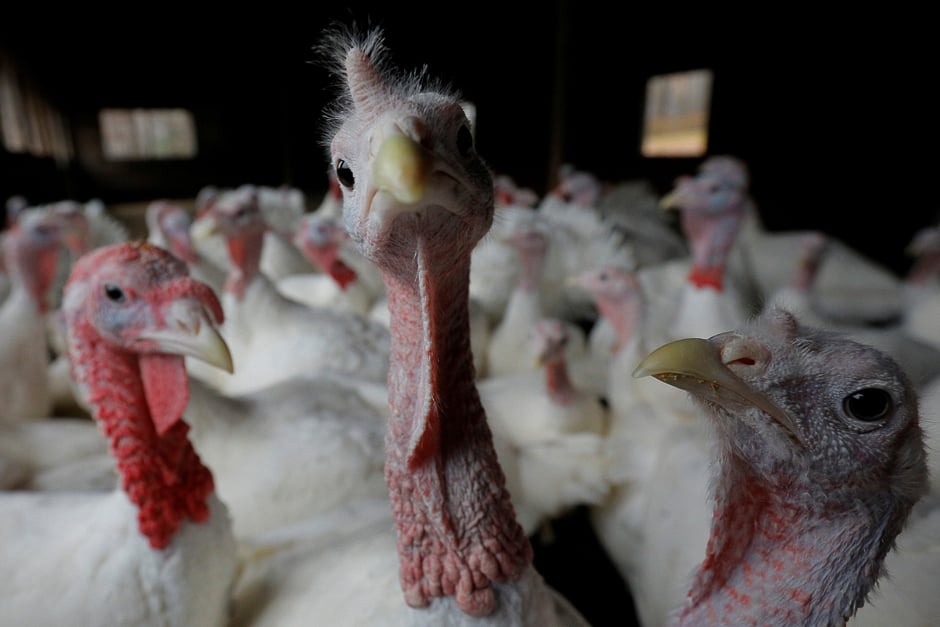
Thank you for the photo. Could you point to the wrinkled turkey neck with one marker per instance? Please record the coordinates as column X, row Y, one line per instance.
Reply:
column 437, row 433
column 162, row 475
column 245, row 255
column 769, row 558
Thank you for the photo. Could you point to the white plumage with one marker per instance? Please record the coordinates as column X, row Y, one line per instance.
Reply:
column 510, row 348
column 273, row 338
column 549, row 434
column 31, row 251
column 105, row 557
column 334, row 283
column 451, row 542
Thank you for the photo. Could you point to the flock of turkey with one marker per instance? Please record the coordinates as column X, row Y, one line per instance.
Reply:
column 360, row 414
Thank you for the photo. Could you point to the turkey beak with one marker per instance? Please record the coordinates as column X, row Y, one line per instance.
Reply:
column 696, row 365
column 189, row 331
column 672, row 200
column 402, row 168
column 205, row 227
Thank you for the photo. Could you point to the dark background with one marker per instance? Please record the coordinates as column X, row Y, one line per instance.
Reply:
column 834, row 115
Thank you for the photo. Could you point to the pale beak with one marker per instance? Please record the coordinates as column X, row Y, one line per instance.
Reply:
column 190, row 331
column 696, row 365
column 402, row 168
column 205, row 227
column 670, row 201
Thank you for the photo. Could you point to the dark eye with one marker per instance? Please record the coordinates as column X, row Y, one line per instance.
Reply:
column 113, row 292
column 464, row 141
column 867, row 405
column 344, row 174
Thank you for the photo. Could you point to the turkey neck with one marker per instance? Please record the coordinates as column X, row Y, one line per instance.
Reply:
column 161, row 474
column 711, row 237
column 457, row 531
column 245, row 254
column 32, row 270
column 558, row 383
column 625, row 315
column 771, row 561
column 531, row 264
column 327, row 259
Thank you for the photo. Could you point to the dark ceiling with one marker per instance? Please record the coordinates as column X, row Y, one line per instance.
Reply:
column 826, row 114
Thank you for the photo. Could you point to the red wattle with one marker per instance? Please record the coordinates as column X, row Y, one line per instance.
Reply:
column 166, row 388
column 707, row 277
column 342, row 273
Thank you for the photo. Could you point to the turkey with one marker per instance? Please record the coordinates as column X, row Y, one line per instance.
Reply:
column 335, row 283
column 510, row 349
column 281, row 208
column 32, row 249
column 93, row 227
column 549, row 434
column 629, row 208
column 579, row 237
column 712, row 207
column 853, row 289
column 168, row 226
column 417, row 198
column 819, row 462
column 652, row 525
column 273, row 338
column 920, row 359
column 159, row 550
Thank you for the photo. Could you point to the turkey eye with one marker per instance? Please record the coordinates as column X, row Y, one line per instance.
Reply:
column 113, row 292
column 464, row 141
column 344, row 174
column 867, row 405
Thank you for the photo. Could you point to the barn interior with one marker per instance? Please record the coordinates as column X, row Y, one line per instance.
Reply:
column 833, row 118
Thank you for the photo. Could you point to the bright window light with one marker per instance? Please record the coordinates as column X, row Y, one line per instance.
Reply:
column 675, row 120
column 137, row 134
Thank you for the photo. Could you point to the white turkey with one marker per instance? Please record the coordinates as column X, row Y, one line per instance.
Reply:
column 273, row 338
column 510, row 349
column 549, row 433
column 335, row 283
column 853, row 288
column 158, row 550
column 653, row 524
column 281, row 208
column 819, row 473
column 920, row 359
column 32, row 250
column 168, row 226
column 417, row 198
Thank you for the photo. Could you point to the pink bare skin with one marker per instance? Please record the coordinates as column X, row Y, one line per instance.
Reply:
column 419, row 222
column 820, row 460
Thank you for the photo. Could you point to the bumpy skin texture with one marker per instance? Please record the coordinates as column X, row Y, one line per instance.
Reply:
column 820, row 460
column 457, row 532
column 137, row 393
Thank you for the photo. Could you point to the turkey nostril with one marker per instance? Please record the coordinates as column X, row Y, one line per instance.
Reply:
column 743, row 361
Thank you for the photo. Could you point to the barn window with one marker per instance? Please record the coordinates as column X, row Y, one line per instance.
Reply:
column 28, row 121
column 143, row 134
column 675, row 120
